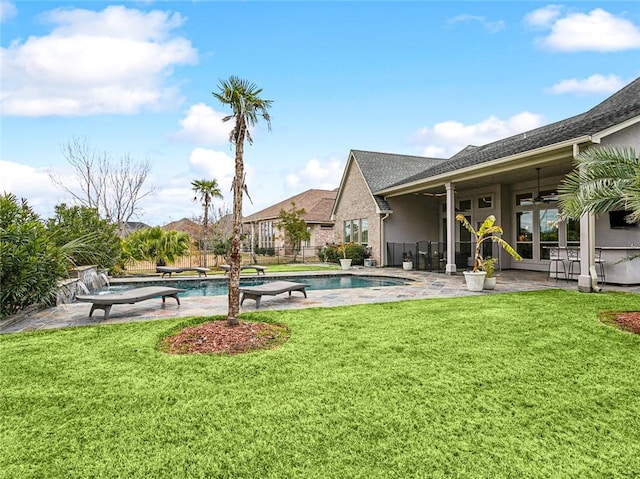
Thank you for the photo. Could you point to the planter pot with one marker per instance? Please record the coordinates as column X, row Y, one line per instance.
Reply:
column 369, row 262
column 475, row 281
column 345, row 263
column 407, row 265
column 490, row 283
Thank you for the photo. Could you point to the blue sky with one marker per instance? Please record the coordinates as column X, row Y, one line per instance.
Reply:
column 421, row 78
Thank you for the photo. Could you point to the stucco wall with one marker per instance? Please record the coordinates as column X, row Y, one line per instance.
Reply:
column 356, row 202
column 627, row 137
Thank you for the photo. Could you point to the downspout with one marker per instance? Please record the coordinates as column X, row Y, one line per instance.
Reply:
column 383, row 250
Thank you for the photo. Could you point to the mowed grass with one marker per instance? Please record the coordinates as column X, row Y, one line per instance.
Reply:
column 527, row 385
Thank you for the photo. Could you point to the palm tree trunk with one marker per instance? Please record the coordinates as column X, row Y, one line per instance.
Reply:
column 206, row 227
column 234, row 273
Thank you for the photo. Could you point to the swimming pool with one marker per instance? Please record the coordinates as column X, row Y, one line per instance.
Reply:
column 217, row 287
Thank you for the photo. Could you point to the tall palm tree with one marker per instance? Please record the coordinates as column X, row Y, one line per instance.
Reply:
column 605, row 178
column 206, row 190
column 243, row 97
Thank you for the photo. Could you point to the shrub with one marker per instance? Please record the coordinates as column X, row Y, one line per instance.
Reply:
column 333, row 253
column 31, row 263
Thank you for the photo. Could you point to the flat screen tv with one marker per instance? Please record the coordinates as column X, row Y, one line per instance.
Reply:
column 617, row 219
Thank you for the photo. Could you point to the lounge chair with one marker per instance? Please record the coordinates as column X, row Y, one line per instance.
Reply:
column 270, row 289
column 132, row 296
column 258, row 269
column 169, row 270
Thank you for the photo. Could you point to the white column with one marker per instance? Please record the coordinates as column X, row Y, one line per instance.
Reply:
column 451, row 228
column 587, row 246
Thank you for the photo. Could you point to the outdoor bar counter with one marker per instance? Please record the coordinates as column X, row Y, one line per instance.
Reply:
column 626, row 272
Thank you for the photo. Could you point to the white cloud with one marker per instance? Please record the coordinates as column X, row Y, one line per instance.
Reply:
column 33, row 184
column 117, row 60
column 594, row 84
column 203, row 125
column 316, row 174
column 493, row 27
column 543, row 17
column 7, row 10
column 447, row 138
column 597, row 30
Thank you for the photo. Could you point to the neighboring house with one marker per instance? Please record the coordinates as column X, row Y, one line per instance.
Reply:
column 411, row 202
column 131, row 226
column 263, row 225
column 185, row 225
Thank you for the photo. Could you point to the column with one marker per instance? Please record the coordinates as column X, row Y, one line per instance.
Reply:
column 451, row 228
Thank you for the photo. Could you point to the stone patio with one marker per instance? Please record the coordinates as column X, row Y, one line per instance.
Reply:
column 423, row 285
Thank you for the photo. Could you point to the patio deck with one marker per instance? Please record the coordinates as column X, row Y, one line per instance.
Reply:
column 424, row 285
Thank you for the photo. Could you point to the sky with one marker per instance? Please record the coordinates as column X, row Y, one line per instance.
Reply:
column 415, row 78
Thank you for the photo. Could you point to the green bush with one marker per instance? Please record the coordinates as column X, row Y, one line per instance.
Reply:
column 332, row 253
column 30, row 263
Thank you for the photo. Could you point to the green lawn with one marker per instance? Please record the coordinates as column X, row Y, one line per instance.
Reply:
column 527, row 385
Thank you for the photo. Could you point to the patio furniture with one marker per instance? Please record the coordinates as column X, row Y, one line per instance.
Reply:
column 132, row 296
column 555, row 259
column 573, row 257
column 258, row 269
column 170, row 270
column 271, row 289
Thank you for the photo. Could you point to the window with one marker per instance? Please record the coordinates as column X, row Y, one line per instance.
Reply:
column 524, row 228
column 573, row 232
column 267, row 235
column 485, row 202
column 464, row 205
column 356, row 231
column 465, row 237
column 307, row 243
column 548, row 226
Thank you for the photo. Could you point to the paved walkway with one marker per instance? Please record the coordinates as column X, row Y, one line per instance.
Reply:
column 422, row 285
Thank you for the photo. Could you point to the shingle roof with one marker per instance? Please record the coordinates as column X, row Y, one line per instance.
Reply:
column 621, row 106
column 317, row 204
column 381, row 170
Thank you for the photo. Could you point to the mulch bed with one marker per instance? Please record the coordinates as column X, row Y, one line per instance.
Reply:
column 628, row 321
column 219, row 338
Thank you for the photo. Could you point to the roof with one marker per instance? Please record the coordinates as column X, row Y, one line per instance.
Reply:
column 618, row 108
column 317, row 204
column 381, row 170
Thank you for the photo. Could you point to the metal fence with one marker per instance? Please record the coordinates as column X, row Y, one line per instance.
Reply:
column 426, row 255
column 199, row 259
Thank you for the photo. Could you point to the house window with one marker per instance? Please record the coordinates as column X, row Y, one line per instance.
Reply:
column 524, row 228
column 548, row 227
column 485, row 202
column 307, row 243
column 573, row 232
column 464, row 205
column 356, row 231
column 267, row 235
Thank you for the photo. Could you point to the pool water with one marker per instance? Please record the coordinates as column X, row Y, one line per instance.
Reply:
column 218, row 287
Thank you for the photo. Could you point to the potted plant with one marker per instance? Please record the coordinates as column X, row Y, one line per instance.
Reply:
column 407, row 261
column 345, row 263
column 488, row 231
column 489, row 266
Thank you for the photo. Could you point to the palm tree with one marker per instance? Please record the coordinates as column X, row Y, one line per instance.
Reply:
column 205, row 190
column 243, row 97
column 605, row 178
column 157, row 245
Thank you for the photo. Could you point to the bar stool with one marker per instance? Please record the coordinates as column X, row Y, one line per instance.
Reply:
column 556, row 260
column 600, row 265
column 573, row 257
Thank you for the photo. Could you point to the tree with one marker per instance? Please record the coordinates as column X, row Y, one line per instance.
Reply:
column 243, row 97
column 73, row 223
column 30, row 264
column 205, row 191
column 604, row 178
column 157, row 245
column 114, row 187
column 294, row 227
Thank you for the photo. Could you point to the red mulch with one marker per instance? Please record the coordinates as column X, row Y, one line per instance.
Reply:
column 629, row 321
column 219, row 338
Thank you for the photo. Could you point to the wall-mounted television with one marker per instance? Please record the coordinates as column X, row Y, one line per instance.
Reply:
column 617, row 219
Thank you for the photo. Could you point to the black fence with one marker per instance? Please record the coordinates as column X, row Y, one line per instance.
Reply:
column 268, row 256
column 426, row 255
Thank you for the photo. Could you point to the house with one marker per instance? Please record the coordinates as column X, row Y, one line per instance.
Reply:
column 263, row 225
column 397, row 203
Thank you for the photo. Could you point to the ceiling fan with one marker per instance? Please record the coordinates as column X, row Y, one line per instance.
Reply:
column 540, row 199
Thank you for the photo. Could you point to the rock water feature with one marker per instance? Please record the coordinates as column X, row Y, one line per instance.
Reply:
column 86, row 280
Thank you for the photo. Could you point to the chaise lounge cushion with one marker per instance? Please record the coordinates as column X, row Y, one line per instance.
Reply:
column 132, row 296
column 271, row 289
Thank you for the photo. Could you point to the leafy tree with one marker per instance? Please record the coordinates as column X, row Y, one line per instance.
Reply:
column 243, row 97
column 30, row 264
column 604, row 179
column 294, row 227
column 80, row 223
column 157, row 245
column 206, row 190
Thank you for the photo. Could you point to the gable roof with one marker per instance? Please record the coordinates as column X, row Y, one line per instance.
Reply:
column 382, row 170
column 618, row 108
column 317, row 204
